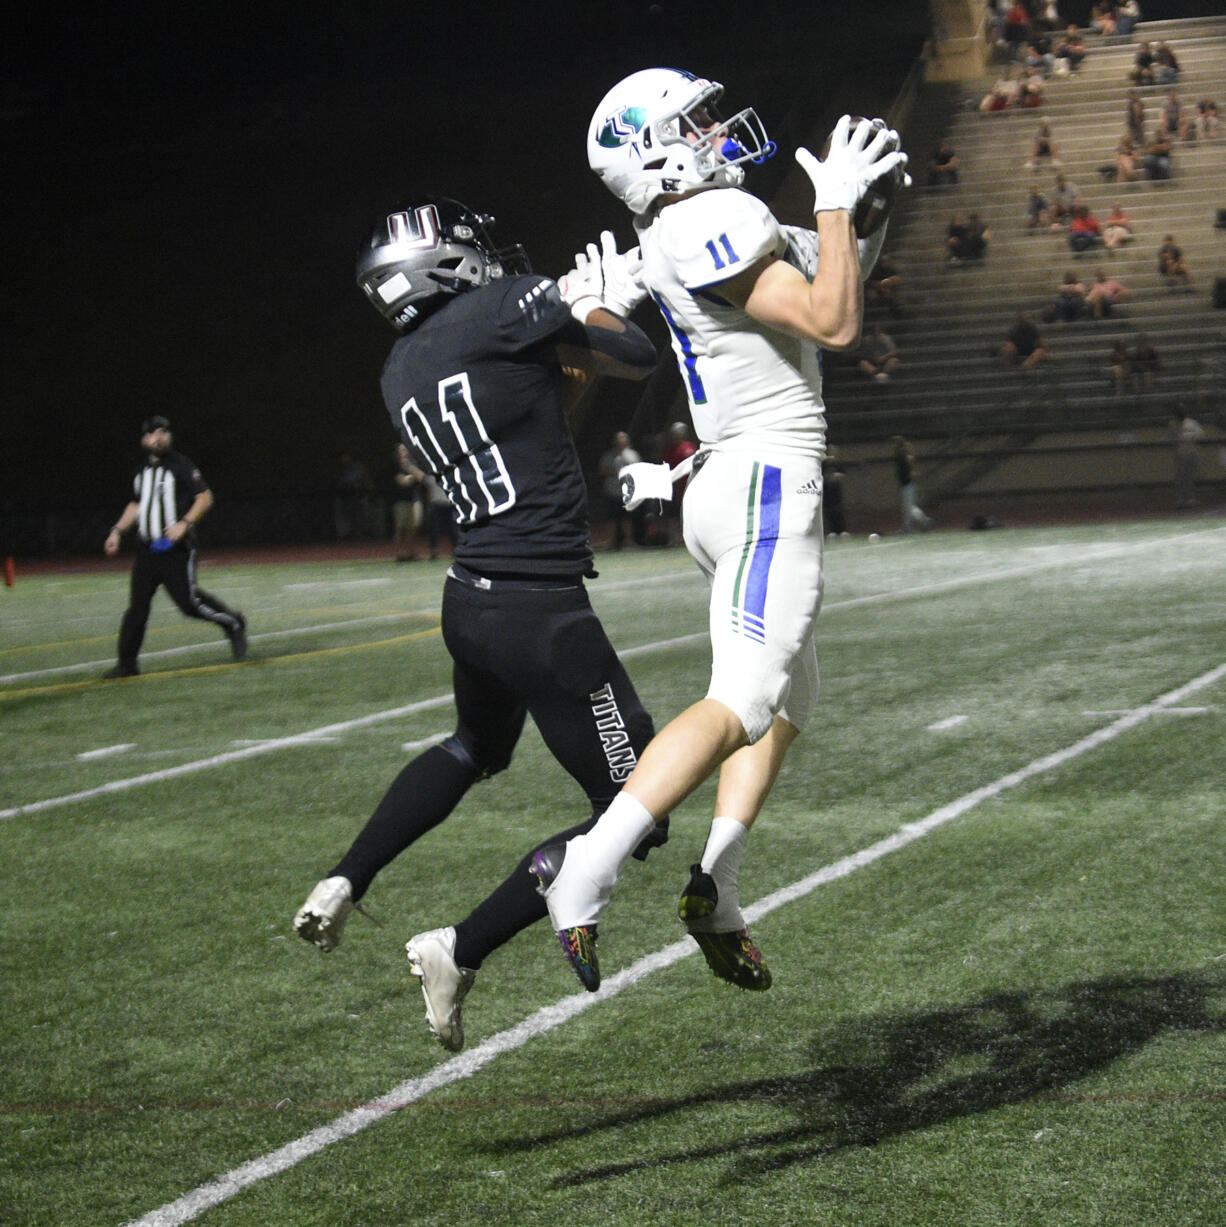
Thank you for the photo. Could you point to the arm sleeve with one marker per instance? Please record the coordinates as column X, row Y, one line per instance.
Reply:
column 531, row 311
column 633, row 347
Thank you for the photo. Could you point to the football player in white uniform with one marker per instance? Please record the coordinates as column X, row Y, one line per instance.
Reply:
column 749, row 306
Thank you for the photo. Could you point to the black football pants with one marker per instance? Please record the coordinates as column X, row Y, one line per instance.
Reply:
column 174, row 569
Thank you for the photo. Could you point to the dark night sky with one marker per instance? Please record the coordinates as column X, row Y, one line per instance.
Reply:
column 186, row 188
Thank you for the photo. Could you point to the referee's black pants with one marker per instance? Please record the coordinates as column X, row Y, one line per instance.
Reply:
column 174, row 569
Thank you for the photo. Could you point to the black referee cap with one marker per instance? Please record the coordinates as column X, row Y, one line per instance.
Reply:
column 156, row 422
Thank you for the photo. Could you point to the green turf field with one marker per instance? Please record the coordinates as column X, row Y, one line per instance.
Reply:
column 992, row 885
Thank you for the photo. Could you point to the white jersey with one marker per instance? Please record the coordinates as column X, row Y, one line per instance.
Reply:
column 746, row 382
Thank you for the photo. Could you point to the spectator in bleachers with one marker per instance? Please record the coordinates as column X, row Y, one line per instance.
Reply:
column 1043, row 148
column 1015, row 28
column 1206, row 118
column 1039, row 55
column 1069, row 52
column 1084, row 230
column 884, row 285
column 944, row 165
column 1158, row 156
column 1144, row 70
column 1104, row 295
column 1037, row 211
column 1002, row 95
column 1134, row 117
column 1144, row 363
column 1030, row 88
column 1070, row 301
column 1166, row 64
column 957, row 239
column 1171, row 266
column 1117, row 227
column 1061, row 199
column 1102, row 18
column 878, row 357
column 1127, row 16
column 1023, row 347
column 1127, row 161
column 1050, row 18
column 1176, row 119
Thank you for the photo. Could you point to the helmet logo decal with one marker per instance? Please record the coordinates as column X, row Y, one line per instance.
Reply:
column 621, row 127
column 417, row 229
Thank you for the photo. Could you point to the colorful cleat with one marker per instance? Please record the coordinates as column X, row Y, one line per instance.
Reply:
column 321, row 919
column 731, row 956
column 734, row 957
column 699, row 897
column 579, row 946
column 444, row 983
column 578, row 943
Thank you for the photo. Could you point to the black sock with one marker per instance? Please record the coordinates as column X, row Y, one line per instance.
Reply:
column 421, row 796
column 509, row 907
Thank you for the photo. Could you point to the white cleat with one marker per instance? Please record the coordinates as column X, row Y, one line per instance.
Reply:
column 443, row 983
column 321, row 919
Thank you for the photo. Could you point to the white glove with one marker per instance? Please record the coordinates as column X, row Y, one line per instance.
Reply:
column 583, row 286
column 642, row 481
column 622, row 289
column 854, row 161
column 603, row 277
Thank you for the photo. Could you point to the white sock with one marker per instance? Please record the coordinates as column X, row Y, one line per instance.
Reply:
column 722, row 858
column 593, row 861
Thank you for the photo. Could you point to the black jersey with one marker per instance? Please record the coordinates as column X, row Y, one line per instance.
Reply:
column 476, row 393
column 164, row 490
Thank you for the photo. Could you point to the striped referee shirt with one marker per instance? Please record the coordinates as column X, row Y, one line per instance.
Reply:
column 164, row 490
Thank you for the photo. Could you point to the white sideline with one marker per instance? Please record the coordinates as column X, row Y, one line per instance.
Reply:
column 544, row 1020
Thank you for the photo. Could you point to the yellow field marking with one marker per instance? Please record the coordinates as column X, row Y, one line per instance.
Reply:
column 200, row 670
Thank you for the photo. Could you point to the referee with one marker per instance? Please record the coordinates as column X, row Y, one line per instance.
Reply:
column 169, row 496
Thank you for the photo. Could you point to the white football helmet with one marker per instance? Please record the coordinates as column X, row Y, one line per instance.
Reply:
column 658, row 131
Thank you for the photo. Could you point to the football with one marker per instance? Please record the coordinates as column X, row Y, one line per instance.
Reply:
column 875, row 205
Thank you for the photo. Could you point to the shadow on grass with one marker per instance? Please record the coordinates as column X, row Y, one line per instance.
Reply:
column 885, row 1075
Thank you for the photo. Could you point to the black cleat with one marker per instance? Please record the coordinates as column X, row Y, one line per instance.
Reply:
column 238, row 639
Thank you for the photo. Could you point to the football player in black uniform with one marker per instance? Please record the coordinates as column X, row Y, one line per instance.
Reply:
column 476, row 388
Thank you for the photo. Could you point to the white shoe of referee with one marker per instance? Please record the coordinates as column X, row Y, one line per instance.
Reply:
column 443, row 983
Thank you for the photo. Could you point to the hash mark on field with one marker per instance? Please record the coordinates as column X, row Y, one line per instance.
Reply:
column 950, row 722
column 550, row 1017
column 106, row 751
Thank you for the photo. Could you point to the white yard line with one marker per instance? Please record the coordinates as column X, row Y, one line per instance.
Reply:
column 323, row 733
column 550, row 1017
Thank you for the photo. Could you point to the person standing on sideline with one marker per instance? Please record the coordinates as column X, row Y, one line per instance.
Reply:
column 913, row 517
column 169, row 498
column 1187, row 433
column 678, row 448
column 616, row 457
column 478, row 386
column 406, row 503
column 746, row 325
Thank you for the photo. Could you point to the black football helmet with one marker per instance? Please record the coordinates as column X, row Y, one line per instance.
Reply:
column 424, row 252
